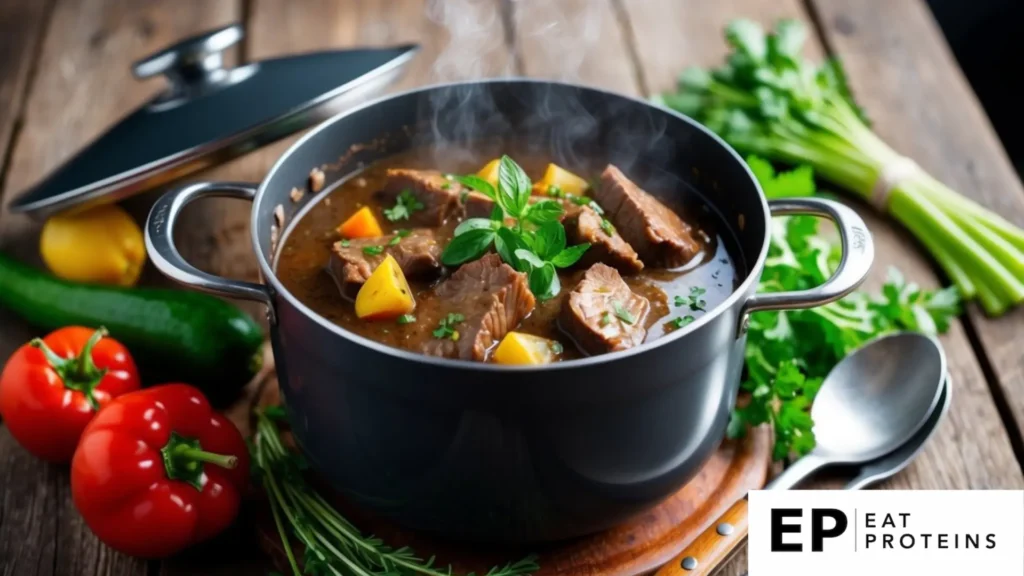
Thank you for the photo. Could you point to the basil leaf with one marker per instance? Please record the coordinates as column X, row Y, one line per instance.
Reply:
column 468, row 246
column 544, row 282
column 530, row 258
column 506, row 242
column 513, row 187
column 476, row 183
column 544, row 211
column 473, row 224
column 497, row 214
column 551, row 239
column 570, row 255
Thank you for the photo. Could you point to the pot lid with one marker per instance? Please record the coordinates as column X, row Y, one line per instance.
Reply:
column 209, row 114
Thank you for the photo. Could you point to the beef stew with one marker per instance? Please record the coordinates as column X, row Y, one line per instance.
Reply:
column 650, row 266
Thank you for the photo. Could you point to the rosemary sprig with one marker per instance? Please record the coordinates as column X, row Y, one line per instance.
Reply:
column 334, row 547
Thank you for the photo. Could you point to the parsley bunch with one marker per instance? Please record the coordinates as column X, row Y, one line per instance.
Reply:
column 527, row 235
column 789, row 353
column 768, row 100
column 333, row 546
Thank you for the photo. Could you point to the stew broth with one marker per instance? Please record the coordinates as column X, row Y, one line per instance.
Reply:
column 306, row 251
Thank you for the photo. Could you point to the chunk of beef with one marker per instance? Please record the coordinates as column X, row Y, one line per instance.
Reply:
column 657, row 233
column 583, row 224
column 491, row 297
column 602, row 314
column 478, row 205
column 418, row 255
column 439, row 196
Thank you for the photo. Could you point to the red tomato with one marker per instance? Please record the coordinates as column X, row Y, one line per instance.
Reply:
column 158, row 470
column 51, row 388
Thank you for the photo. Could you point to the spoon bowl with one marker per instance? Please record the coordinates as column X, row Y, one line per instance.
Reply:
column 874, row 401
column 877, row 398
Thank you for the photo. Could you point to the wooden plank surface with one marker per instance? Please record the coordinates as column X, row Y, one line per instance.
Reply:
column 574, row 41
column 82, row 85
column 20, row 30
column 920, row 102
column 631, row 46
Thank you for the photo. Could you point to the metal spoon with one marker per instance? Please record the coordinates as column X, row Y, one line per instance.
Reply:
column 871, row 404
column 887, row 466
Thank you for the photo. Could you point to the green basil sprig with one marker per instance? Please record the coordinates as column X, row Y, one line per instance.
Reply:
column 527, row 235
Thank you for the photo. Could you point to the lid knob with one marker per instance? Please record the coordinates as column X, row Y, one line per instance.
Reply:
column 195, row 61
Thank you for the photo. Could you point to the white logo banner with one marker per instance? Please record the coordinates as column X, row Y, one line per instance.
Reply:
column 883, row 532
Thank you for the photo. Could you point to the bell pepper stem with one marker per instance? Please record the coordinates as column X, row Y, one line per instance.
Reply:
column 184, row 452
column 184, row 459
column 78, row 373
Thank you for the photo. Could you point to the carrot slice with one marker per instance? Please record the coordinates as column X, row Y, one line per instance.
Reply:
column 362, row 224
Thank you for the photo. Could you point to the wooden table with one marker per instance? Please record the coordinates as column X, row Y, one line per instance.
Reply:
column 64, row 78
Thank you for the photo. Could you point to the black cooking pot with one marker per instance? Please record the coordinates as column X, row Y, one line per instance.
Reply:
column 487, row 452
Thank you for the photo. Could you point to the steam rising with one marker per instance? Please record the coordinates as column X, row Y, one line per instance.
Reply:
column 555, row 37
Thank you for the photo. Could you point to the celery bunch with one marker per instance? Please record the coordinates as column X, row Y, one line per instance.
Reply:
column 768, row 100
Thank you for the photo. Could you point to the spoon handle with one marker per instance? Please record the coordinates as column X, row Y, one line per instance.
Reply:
column 797, row 472
column 709, row 550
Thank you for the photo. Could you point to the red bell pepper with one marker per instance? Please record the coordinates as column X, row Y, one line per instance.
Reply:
column 158, row 470
column 52, row 387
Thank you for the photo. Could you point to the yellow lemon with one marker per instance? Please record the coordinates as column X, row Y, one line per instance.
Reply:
column 102, row 245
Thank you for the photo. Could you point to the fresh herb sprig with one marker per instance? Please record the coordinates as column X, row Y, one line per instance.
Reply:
column 766, row 99
column 527, row 235
column 789, row 353
column 333, row 546
column 405, row 205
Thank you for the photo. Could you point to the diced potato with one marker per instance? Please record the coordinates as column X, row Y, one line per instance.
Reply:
column 490, row 172
column 386, row 294
column 362, row 224
column 565, row 180
column 518, row 349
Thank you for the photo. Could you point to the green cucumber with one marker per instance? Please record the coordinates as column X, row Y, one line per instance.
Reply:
column 174, row 335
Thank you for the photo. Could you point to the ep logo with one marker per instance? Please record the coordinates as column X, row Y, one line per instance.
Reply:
column 787, row 527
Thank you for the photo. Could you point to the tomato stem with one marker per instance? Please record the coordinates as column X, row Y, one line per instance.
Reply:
column 79, row 372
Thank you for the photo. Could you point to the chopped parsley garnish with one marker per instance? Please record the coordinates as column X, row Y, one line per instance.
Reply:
column 677, row 323
column 463, row 195
column 607, row 227
column 405, row 205
column 606, row 319
column 622, row 313
column 373, row 250
column 406, row 319
column 697, row 304
column 345, row 243
column 446, row 186
column 555, row 191
column 399, row 234
column 446, row 327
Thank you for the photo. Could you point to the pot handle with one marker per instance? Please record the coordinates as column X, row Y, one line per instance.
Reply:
column 858, row 254
column 165, row 255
